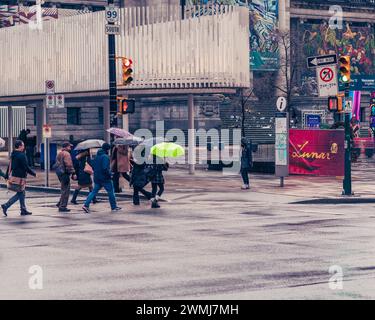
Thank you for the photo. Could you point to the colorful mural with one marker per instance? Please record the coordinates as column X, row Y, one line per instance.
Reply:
column 264, row 53
column 356, row 41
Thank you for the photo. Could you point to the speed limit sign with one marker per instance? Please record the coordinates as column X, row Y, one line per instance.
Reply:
column 112, row 14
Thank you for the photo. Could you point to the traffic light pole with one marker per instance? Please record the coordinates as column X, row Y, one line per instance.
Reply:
column 347, row 183
column 112, row 75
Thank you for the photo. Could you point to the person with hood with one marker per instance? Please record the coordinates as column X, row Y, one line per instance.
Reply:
column 84, row 171
column 64, row 170
column 246, row 162
column 120, row 165
column 138, row 177
column 16, row 174
column 157, row 179
column 102, row 179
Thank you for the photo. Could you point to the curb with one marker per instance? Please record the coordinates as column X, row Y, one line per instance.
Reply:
column 51, row 190
column 336, row 201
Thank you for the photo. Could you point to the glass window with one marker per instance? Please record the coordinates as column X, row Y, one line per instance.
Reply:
column 73, row 116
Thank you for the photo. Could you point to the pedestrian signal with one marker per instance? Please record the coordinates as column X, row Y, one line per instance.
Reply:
column 126, row 106
column 333, row 103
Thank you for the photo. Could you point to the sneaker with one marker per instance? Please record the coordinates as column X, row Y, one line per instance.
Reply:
column 245, row 187
column 74, row 202
column 5, row 209
column 26, row 213
column 65, row 210
column 116, row 209
column 86, row 209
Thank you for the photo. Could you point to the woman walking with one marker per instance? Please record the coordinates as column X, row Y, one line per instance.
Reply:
column 18, row 170
column 157, row 180
column 120, row 165
column 246, row 163
column 84, row 171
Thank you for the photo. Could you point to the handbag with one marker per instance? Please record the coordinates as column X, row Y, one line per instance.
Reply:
column 88, row 169
column 14, row 183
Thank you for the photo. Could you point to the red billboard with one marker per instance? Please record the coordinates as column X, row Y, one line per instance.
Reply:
column 317, row 152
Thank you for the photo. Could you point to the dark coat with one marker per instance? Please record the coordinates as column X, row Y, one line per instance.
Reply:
column 157, row 172
column 101, row 166
column 20, row 167
column 138, row 177
column 84, row 179
column 246, row 157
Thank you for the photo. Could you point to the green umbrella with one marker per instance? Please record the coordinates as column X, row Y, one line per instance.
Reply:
column 167, row 150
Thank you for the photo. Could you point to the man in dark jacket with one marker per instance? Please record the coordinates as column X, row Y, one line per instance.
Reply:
column 246, row 162
column 18, row 169
column 102, row 179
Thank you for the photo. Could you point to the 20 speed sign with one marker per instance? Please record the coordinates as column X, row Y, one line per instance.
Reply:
column 112, row 14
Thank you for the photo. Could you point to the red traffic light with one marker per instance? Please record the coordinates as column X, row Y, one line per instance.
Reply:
column 333, row 103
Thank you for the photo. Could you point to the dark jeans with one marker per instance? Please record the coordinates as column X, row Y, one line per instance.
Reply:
column 76, row 193
column 108, row 186
column 245, row 176
column 30, row 155
column 137, row 190
column 155, row 191
column 19, row 196
column 65, row 191
column 116, row 180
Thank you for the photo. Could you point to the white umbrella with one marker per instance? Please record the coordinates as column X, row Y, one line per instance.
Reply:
column 2, row 143
column 89, row 144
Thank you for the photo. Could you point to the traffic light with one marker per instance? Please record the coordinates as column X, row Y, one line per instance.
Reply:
column 344, row 68
column 126, row 106
column 127, row 71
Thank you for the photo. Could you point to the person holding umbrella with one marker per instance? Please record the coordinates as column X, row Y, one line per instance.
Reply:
column 159, row 153
column 120, row 164
column 102, row 179
column 84, row 172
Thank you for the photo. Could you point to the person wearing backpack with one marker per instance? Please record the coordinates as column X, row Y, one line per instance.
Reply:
column 16, row 175
column 64, row 170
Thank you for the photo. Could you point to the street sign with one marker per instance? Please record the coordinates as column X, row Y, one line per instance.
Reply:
column 60, row 101
column 281, row 104
column 50, row 87
column 47, row 131
column 319, row 61
column 112, row 14
column 327, row 81
column 50, row 101
column 112, row 29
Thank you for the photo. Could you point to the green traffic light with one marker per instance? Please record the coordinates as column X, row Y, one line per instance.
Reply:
column 345, row 79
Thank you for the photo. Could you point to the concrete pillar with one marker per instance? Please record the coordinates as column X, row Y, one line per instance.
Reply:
column 107, row 120
column 191, row 135
column 39, row 124
column 10, row 130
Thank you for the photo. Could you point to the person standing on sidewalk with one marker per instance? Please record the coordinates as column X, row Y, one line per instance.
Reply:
column 246, row 162
column 102, row 179
column 16, row 175
column 64, row 170
column 84, row 171
column 120, row 165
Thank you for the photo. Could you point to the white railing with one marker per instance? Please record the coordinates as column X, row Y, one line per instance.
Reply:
column 196, row 52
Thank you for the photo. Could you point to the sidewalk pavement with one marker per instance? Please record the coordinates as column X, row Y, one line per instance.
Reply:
column 302, row 187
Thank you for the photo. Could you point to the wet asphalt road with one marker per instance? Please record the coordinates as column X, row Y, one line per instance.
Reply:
column 200, row 245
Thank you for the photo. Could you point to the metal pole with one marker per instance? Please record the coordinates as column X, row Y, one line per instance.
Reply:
column 125, row 122
column 112, row 75
column 347, row 183
column 106, row 120
column 191, row 135
column 46, row 148
column 10, row 130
